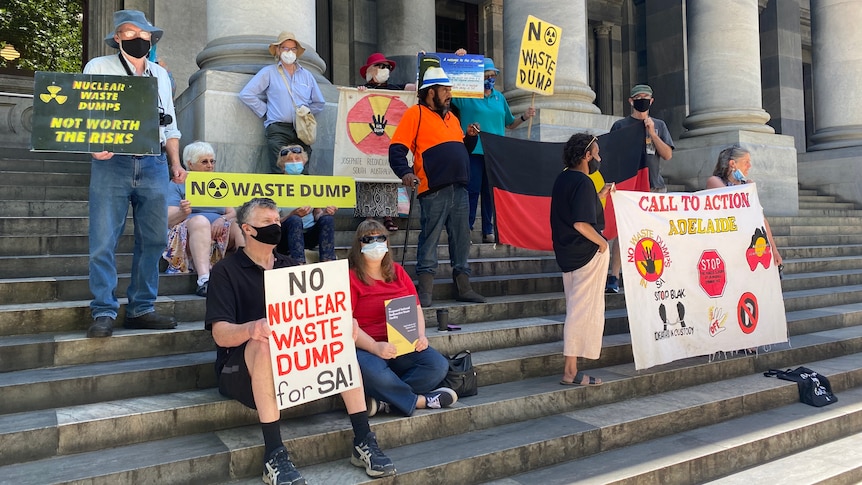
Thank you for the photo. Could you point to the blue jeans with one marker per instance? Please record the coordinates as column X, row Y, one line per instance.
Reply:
column 114, row 183
column 398, row 381
column 294, row 241
column 479, row 186
column 446, row 207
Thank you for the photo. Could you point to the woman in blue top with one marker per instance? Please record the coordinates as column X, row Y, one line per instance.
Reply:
column 492, row 114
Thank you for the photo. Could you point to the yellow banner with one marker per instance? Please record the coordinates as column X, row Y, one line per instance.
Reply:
column 220, row 189
column 537, row 60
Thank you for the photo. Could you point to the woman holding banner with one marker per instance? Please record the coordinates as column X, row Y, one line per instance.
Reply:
column 392, row 383
column 732, row 169
column 577, row 220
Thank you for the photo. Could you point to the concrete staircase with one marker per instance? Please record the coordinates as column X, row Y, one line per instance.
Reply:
column 140, row 407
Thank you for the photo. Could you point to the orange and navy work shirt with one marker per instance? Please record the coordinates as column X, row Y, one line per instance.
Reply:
column 440, row 157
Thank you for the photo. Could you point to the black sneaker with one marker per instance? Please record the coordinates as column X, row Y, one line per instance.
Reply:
column 101, row 327
column 202, row 289
column 375, row 407
column 150, row 320
column 279, row 470
column 613, row 285
column 368, row 454
column 440, row 398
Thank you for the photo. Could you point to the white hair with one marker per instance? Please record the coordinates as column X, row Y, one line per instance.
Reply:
column 196, row 150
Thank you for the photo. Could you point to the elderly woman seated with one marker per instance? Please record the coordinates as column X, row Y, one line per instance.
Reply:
column 198, row 237
column 303, row 227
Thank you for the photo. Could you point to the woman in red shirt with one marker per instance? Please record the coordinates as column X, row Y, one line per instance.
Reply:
column 402, row 383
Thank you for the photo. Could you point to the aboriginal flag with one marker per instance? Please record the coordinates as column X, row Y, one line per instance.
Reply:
column 522, row 174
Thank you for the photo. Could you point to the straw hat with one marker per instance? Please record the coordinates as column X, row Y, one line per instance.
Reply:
column 283, row 37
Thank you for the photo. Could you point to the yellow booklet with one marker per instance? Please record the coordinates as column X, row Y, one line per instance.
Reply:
column 402, row 323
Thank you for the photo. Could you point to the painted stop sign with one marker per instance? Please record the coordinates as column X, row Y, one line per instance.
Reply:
column 711, row 272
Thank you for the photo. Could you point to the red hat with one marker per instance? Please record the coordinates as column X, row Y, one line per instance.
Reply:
column 376, row 58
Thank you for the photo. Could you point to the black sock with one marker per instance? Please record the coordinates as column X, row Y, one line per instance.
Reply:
column 271, row 438
column 361, row 428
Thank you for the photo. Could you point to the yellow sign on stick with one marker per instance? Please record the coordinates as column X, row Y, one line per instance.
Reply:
column 220, row 189
column 537, row 59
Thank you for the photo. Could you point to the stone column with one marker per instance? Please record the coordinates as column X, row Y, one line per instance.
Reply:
column 405, row 27
column 725, row 107
column 571, row 106
column 836, row 41
column 604, row 82
column 492, row 20
column 238, row 38
column 724, row 68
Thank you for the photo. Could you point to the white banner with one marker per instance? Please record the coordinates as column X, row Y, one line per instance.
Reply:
column 364, row 127
column 699, row 273
column 309, row 312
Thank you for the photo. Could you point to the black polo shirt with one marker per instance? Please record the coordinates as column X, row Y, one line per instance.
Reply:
column 235, row 294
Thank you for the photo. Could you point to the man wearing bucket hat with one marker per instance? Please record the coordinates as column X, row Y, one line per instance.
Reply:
column 493, row 115
column 659, row 146
column 287, row 86
column 441, row 171
column 116, row 180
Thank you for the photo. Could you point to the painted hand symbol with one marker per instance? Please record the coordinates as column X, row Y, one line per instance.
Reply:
column 378, row 125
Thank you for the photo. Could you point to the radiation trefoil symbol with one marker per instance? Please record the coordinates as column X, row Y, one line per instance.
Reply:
column 372, row 121
column 52, row 94
column 217, row 188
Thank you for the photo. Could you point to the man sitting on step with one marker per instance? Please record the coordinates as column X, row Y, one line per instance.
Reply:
column 236, row 315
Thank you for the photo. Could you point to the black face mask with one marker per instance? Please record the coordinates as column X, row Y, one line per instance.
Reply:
column 641, row 105
column 270, row 234
column 136, row 48
column 593, row 165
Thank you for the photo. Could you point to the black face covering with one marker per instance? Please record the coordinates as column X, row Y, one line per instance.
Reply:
column 136, row 48
column 641, row 105
column 270, row 234
column 593, row 165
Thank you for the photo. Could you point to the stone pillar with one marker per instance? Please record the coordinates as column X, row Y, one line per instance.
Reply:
column 405, row 27
column 724, row 68
column 100, row 22
column 832, row 162
column 492, row 20
column 604, row 81
column 836, row 41
column 238, row 38
column 781, row 63
column 571, row 106
column 725, row 105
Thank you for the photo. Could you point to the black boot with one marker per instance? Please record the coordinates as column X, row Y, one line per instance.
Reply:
column 463, row 291
column 425, row 289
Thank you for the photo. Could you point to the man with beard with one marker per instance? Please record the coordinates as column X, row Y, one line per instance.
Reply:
column 440, row 172
column 116, row 180
column 659, row 146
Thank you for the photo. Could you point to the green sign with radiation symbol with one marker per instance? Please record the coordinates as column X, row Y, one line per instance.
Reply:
column 94, row 113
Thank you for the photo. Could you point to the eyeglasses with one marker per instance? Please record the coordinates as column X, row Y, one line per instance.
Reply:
column 382, row 66
column 371, row 239
column 291, row 49
column 491, row 77
column 587, row 149
column 131, row 34
column 284, row 151
column 207, row 161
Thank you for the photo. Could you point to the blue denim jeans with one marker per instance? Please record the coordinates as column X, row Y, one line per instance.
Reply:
column 479, row 186
column 294, row 241
column 114, row 183
column 446, row 207
column 399, row 381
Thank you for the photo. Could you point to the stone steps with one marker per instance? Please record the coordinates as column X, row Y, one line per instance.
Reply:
column 512, row 414
column 796, row 436
column 29, row 179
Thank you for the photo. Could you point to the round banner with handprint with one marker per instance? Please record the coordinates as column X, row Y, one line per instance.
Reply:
column 372, row 121
column 649, row 259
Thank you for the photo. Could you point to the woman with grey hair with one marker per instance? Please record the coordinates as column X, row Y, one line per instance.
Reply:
column 732, row 169
column 198, row 237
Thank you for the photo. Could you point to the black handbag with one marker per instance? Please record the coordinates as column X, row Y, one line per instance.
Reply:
column 461, row 377
column 814, row 389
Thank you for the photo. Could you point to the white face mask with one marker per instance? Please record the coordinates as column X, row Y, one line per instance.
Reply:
column 375, row 251
column 382, row 75
column 288, row 57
